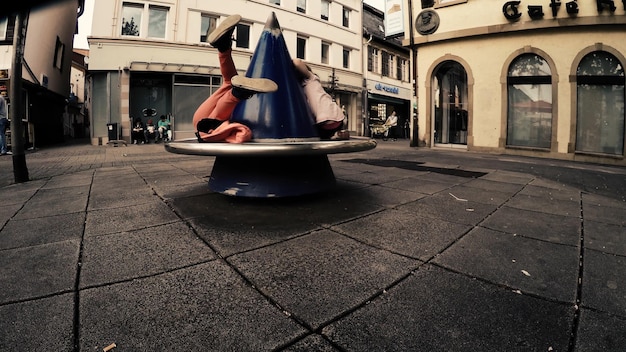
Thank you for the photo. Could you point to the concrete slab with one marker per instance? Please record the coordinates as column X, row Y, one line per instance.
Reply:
column 601, row 332
column 32, row 232
column 205, row 307
column 603, row 282
column 509, row 177
column 31, row 272
column 319, row 276
column 531, row 266
column 107, row 221
column 478, row 195
column 415, row 184
column 551, row 193
column 446, row 207
column 435, row 310
column 497, row 186
column 404, row 233
column 601, row 209
column 127, row 255
column 538, row 225
column 546, row 205
column 312, row 343
column 20, row 193
column 38, row 325
column 55, row 201
column 606, row 238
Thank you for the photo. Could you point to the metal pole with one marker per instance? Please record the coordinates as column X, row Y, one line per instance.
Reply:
column 16, row 110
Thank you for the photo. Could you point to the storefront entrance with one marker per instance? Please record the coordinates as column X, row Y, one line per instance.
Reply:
column 450, row 104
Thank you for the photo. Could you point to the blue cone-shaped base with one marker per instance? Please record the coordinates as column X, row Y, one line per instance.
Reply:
column 284, row 114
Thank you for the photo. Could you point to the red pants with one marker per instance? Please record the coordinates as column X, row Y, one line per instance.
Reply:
column 220, row 105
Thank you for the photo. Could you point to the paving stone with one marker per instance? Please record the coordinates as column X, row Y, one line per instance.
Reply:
column 600, row 332
column 408, row 234
column 492, row 185
column 36, row 231
column 106, row 221
column 606, row 238
column 546, row 205
column 55, row 201
column 206, row 307
column 446, row 207
column 532, row 266
column 312, row 343
column 435, row 310
column 542, row 226
column 318, row 276
column 44, row 324
column 140, row 253
column 38, row 271
column 603, row 282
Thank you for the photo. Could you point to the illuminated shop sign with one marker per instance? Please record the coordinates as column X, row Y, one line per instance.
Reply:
column 511, row 8
column 388, row 89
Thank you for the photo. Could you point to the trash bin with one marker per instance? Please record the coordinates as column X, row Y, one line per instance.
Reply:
column 112, row 130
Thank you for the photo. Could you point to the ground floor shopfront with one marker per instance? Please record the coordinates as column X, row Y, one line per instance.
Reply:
column 121, row 97
column 556, row 94
column 382, row 100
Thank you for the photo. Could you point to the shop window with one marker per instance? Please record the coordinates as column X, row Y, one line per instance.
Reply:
column 242, row 36
column 346, row 17
column 325, row 9
column 325, row 53
column 600, row 104
column 133, row 24
column 301, row 48
column 207, row 25
column 346, row 58
column 301, row 6
column 529, row 87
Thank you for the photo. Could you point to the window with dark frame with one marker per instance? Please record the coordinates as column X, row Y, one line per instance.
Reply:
column 59, row 53
column 346, row 58
column 301, row 48
column 325, row 53
column 385, row 67
column 208, row 23
column 242, row 36
column 346, row 17
column 325, row 9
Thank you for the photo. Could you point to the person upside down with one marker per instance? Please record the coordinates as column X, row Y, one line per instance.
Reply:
column 211, row 119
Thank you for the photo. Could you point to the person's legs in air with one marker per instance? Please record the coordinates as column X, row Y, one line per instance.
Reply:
column 235, row 88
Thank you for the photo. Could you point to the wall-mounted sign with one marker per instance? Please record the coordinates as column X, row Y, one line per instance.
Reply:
column 427, row 22
column 388, row 89
column 394, row 14
column 511, row 11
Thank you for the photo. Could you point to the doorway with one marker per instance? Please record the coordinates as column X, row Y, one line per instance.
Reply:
column 450, row 105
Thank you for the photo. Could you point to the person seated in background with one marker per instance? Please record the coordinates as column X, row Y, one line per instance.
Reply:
column 137, row 134
column 163, row 127
column 328, row 115
column 151, row 132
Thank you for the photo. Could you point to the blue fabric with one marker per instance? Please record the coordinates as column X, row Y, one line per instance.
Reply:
column 281, row 114
column 4, row 124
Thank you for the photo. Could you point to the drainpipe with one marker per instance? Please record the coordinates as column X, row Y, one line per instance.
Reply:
column 415, row 129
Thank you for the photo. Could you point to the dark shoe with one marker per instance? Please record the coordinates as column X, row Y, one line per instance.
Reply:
column 221, row 37
column 205, row 125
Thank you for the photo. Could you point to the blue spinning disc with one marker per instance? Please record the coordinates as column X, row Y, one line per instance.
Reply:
column 284, row 114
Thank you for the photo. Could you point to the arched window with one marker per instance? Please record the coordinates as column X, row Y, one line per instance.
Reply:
column 600, row 104
column 529, row 117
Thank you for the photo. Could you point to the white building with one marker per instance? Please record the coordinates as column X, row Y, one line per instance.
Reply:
column 150, row 58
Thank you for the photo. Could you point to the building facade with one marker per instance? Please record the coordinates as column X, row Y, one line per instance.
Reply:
column 387, row 75
column 151, row 58
column 533, row 77
column 47, row 61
